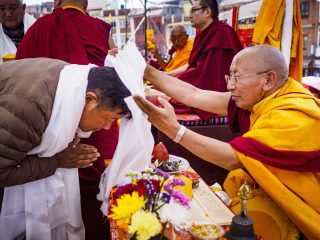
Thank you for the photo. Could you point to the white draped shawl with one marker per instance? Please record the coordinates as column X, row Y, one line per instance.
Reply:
column 50, row 208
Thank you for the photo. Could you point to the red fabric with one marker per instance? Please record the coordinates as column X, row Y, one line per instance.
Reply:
column 239, row 119
column 300, row 161
column 76, row 38
column 235, row 11
column 67, row 35
column 171, row 51
column 154, row 63
column 245, row 29
column 209, row 62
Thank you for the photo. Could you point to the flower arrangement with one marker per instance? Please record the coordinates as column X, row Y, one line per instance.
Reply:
column 144, row 207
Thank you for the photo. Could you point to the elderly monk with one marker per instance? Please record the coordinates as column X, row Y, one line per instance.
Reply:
column 71, row 35
column 180, row 51
column 39, row 123
column 212, row 53
column 14, row 23
column 280, row 150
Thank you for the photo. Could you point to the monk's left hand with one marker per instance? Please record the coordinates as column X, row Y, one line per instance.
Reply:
column 163, row 118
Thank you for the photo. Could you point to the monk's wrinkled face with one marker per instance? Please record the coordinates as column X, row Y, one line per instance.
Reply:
column 11, row 13
column 178, row 38
column 246, row 82
column 95, row 118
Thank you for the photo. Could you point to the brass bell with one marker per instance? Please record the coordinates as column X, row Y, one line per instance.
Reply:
column 242, row 225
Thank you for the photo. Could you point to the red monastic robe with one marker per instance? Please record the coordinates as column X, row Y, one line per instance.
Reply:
column 209, row 62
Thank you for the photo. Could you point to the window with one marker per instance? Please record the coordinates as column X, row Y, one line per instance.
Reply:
column 121, row 23
column 305, row 40
column 304, row 8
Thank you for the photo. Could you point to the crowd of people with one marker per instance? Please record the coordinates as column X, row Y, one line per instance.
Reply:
column 59, row 107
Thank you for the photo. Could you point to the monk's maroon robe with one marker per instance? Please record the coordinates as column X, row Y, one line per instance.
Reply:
column 210, row 59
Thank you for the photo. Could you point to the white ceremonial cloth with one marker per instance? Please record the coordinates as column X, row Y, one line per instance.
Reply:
column 49, row 209
column 6, row 45
column 286, row 39
column 312, row 81
column 136, row 142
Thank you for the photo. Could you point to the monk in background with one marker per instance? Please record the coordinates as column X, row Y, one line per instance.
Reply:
column 71, row 35
column 180, row 51
column 14, row 23
column 213, row 50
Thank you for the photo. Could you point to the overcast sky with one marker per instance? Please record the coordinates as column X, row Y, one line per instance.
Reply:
column 31, row 2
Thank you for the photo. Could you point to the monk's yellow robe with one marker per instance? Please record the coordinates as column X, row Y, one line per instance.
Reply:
column 268, row 30
column 180, row 57
column 281, row 152
column 270, row 222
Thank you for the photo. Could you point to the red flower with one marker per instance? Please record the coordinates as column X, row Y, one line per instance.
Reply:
column 156, row 185
column 128, row 188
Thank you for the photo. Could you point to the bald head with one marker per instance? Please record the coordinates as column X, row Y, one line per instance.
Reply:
column 256, row 73
column 264, row 58
column 178, row 37
column 179, row 29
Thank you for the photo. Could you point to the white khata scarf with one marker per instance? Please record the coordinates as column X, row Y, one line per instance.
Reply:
column 49, row 209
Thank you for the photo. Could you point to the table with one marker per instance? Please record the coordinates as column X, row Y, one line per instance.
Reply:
column 205, row 206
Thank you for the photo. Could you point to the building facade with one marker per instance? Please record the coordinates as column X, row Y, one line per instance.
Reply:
column 121, row 19
column 39, row 10
column 311, row 37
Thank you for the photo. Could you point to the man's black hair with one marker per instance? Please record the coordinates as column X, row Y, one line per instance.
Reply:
column 213, row 4
column 111, row 91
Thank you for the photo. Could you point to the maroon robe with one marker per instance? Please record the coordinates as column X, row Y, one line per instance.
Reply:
column 210, row 60
column 239, row 119
column 77, row 38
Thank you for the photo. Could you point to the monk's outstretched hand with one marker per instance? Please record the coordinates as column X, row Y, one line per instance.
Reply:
column 163, row 118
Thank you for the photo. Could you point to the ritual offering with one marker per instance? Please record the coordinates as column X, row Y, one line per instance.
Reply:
column 168, row 163
column 186, row 188
column 166, row 201
column 174, row 165
column 143, row 208
column 193, row 176
column 206, row 231
column 160, row 152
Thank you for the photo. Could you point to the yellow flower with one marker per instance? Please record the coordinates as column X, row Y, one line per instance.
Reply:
column 127, row 206
column 145, row 224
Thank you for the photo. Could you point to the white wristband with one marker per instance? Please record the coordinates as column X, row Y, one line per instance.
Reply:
column 180, row 134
